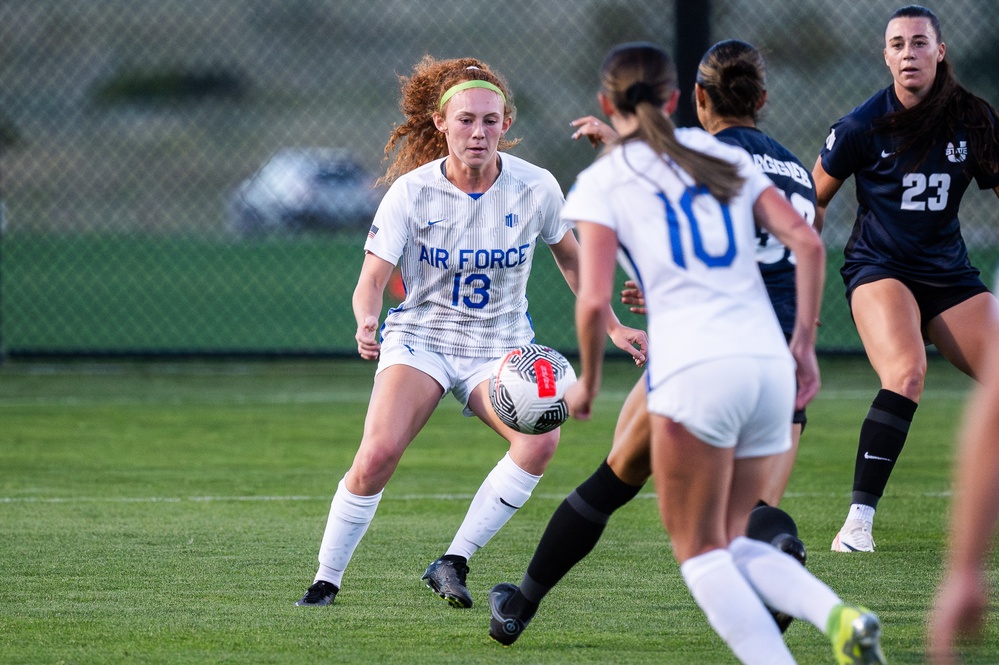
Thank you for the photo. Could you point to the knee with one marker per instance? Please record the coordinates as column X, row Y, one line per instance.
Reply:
column 630, row 464
column 907, row 381
column 372, row 468
column 532, row 453
column 544, row 445
column 913, row 386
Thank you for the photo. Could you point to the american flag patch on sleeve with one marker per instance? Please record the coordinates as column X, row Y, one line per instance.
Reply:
column 372, row 231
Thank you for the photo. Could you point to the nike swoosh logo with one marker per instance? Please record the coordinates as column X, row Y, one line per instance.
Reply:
column 885, row 154
column 436, row 221
column 883, row 459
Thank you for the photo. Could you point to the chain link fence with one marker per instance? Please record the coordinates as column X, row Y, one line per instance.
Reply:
column 153, row 155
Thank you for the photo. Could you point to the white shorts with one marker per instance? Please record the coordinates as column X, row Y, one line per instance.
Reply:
column 457, row 375
column 739, row 402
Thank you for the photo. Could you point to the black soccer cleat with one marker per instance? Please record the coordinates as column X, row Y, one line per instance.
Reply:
column 504, row 628
column 320, row 594
column 791, row 544
column 446, row 576
column 793, row 547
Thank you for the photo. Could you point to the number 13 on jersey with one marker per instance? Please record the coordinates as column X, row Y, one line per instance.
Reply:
column 476, row 287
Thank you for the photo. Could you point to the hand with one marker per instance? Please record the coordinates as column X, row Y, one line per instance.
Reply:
column 632, row 296
column 596, row 131
column 959, row 609
column 579, row 400
column 806, row 373
column 632, row 340
column 367, row 339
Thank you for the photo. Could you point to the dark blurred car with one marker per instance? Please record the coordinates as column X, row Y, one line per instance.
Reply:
column 304, row 189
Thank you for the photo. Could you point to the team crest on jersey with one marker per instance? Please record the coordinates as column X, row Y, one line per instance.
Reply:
column 512, row 220
column 958, row 154
column 831, row 139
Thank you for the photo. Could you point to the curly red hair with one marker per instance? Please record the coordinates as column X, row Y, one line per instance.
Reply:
column 418, row 139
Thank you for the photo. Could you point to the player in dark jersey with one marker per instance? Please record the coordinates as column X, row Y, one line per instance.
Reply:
column 730, row 91
column 913, row 149
column 724, row 115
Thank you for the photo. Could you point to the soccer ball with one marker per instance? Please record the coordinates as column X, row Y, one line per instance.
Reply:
column 527, row 388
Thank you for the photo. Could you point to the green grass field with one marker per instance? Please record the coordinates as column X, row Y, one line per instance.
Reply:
column 171, row 513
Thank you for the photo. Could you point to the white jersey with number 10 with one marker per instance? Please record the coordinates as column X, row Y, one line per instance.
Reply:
column 695, row 258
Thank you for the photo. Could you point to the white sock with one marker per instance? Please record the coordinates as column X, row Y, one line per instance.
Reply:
column 349, row 518
column 783, row 583
column 859, row 511
column 502, row 493
column 734, row 610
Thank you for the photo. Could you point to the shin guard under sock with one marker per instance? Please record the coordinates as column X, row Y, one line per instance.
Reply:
column 882, row 437
column 573, row 531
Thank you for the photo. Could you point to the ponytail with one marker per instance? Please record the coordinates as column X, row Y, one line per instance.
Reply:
column 639, row 78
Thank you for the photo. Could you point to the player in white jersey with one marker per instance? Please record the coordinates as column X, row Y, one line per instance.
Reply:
column 729, row 94
column 682, row 207
column 465, row 262
column 462, row 222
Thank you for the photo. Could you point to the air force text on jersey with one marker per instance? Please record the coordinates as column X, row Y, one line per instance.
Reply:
column 479, row 259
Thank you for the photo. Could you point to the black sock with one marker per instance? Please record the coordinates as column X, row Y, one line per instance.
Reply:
column 571, row 534
column 882, row 437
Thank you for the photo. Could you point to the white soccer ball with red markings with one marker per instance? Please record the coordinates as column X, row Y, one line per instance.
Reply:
column 527, row 388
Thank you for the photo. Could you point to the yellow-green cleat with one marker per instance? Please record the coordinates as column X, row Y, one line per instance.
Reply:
column 855, row 633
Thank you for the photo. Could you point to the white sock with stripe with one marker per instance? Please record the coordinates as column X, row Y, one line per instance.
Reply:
column 734, row 610
column 502, row 493
column 783, row 583
column 349, row 518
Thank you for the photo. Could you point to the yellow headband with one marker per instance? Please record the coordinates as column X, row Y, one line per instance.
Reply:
column 465, row 85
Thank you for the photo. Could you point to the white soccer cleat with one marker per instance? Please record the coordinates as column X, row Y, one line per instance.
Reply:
column 855, row 536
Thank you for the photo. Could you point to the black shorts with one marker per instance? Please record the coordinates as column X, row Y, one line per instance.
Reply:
column 932, row 299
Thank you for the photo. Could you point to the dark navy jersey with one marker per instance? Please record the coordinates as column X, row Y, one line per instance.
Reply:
column 795, row 182
column 907, row 222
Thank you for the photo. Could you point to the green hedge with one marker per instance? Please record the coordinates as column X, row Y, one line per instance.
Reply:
column 132, row 294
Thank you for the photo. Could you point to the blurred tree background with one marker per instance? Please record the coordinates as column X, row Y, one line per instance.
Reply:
column 126, row 128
